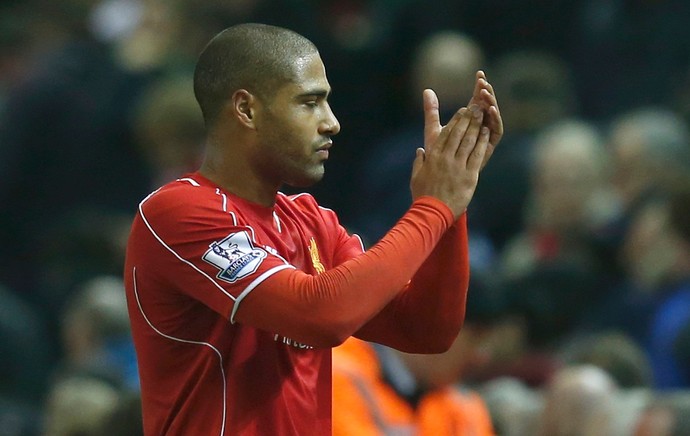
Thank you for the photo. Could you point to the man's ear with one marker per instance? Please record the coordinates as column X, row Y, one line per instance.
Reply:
column 244, row 107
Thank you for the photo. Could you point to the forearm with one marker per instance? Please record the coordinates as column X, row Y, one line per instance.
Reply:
column 324, row 310
column 428, row 315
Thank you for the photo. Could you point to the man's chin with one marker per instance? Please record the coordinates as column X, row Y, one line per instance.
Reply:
column 306, row 180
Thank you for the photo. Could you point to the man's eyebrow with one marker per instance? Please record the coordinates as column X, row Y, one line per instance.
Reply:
column 315, row 93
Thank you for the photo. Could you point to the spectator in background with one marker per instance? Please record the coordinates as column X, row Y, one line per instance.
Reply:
column 602, row 386
column 66, row 148
column 550, row 270
column 151, row 44
column 580, row 400
column 649, row 155
column 539, row 93
column 169, row 129
column 626, row 362
column 658, row 259
column 379, row 391
column 614, row 352
column 515, row 408
column 96, row 334
column 78, row 405
column 650, row 151
column 161, row 37
column 568, row 200
column 544, row 304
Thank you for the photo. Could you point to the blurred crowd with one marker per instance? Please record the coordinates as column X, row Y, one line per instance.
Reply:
column 579, row 311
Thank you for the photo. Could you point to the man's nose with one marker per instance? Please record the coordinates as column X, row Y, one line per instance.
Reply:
column 330, row 124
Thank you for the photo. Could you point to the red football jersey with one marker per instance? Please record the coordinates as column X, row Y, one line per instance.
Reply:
column 192, row 257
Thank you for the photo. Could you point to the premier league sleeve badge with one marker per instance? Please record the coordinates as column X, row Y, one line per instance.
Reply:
column 235, row 256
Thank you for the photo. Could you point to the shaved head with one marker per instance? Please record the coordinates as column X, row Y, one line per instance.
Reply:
column 256, row 57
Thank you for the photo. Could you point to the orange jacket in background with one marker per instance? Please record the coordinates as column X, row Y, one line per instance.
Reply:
column 365, row 405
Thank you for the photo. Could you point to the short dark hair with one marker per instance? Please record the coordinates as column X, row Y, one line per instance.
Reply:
column 257, row 57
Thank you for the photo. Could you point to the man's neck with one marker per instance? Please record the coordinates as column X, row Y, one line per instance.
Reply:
column 235, row 176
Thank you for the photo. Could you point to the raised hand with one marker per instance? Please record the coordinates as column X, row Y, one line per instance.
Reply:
column 448, row 166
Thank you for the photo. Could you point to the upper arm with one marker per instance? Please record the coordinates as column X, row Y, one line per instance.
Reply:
column 196, row 249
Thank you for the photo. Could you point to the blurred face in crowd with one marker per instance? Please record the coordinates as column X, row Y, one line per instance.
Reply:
column 648, row 250
column 564, row 184
column 295, row 127
column 632, row 174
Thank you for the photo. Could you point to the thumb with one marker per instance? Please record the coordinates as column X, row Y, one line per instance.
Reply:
column 432, row 120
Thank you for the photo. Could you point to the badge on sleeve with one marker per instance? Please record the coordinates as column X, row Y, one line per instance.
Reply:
column 235, row 256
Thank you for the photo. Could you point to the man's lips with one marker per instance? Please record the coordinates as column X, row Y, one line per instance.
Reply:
column 325, row 146
column 323, row 150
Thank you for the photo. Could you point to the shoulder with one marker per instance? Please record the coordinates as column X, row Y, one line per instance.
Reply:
column 180, row 198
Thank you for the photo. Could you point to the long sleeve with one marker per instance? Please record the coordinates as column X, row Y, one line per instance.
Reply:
column 427, row 316
column 324, row 310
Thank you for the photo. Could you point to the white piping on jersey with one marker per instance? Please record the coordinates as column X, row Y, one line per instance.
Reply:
column 225, row 199
column 277, row 221
column 253, row 285
column 296, row 196
column 361, row 243
column 184, row 341
column 190, row 180
column 158, row 238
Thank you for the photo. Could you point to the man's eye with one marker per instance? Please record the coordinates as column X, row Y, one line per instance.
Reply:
column 311, row 103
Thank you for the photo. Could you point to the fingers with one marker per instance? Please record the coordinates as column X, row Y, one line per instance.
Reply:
column 485, row 96
column 489, row 151
column 477, row 158
column 478, row 86
column 481, row 85
column 457, row 131
column 432, row 122
column 493, row 119
column 495, row 124
column 469, row 139
column 441, row 144
column 488, row 97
